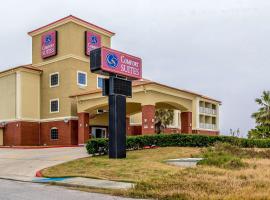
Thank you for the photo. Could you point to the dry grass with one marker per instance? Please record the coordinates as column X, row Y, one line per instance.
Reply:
column 137, row 166
column 156, row 179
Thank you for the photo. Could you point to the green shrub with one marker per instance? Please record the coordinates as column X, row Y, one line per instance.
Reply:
column 97, row 146
column 100, row 146
column 223, row 155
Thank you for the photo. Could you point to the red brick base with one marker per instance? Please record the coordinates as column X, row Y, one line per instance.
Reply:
column 83, row 129
column 172, row 130
column 21, row 133
column 135, row 130
column 186, row 122
column 148, row 119
column 205, row 132
column 67, row 132
column 34, row 133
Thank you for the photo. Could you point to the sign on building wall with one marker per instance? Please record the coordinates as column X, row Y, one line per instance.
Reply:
column 92, row 41
column 108, row 61
column 49, row 44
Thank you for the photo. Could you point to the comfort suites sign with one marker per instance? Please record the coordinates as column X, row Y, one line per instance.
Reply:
column 49, row 44
column 92, row 41
column 110, row 61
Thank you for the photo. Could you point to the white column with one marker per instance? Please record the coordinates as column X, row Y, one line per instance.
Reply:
column 18, row 96
column 217, row 117
column 197, row 113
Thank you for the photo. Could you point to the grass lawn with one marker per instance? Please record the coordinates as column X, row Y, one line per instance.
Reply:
column 156, row 179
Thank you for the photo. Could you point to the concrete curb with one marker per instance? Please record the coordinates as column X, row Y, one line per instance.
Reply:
column 83, row 182
column 39, row 174
column 37, row 147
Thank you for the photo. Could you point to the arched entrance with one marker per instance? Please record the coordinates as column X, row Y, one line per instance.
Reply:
column 93, row 113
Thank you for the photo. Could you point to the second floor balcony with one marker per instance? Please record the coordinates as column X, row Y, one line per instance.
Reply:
column 209, row 111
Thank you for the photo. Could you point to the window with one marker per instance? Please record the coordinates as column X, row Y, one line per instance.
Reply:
column 82, row 78
column 99, row 82
column 98, row 132
column 54, row 79
column 54, row 105
column 54, row 134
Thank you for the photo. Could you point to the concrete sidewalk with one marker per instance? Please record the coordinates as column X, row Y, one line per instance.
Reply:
column 86, row 182
column 22, row 165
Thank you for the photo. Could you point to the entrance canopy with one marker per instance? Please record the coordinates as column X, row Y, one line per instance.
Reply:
column 145, row 92
column 147, row 97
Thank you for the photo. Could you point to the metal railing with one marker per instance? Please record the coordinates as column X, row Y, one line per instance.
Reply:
column 208, row 111
column 208, row 126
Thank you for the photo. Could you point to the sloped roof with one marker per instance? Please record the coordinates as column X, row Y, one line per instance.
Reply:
column 149, row 82
column 29, row 66
column 68, row 19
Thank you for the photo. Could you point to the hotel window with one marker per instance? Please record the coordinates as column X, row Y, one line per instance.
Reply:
column 54, row 105
column 54, row 79
column 54, row 134
column 99, row 82
column 82, row 78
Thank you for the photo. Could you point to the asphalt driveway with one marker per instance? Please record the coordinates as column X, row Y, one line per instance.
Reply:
column 22, row 164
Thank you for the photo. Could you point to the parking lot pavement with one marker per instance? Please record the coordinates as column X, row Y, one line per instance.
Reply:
column 22, row 164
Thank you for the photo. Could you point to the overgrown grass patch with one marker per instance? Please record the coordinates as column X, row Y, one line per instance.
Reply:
column 156, row 180
column 230, row 156
column 223, row 155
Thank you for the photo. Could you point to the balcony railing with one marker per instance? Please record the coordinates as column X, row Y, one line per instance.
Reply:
column 208, row 111
column 208, row 126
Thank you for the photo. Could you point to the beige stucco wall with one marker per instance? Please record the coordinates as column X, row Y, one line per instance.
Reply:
column 153, row 94
column 60, row 92
column 67, row 70
column 70, row 59
column 136, row 119
column 30, row 95
column 77, row 39
column 70, row 41
column 100, row 120
column 8, row 96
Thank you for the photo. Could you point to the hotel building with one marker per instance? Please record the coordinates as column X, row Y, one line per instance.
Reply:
column 56, row 100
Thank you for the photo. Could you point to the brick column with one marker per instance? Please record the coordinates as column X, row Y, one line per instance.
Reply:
column 148, row 119
column 128, row 129
column 186, row 122
column 83, row 128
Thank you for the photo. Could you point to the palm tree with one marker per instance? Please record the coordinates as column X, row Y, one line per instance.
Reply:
column 262, row 117
column 163, row 118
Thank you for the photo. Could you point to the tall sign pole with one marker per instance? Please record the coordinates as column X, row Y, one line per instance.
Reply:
column 121, row 69
column 117, row 126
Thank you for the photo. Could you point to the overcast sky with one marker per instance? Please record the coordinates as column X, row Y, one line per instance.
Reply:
column 219, row 48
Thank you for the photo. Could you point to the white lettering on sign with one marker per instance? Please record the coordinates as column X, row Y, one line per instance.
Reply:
column 129, row 62
column 129, row 66
column 116, row 62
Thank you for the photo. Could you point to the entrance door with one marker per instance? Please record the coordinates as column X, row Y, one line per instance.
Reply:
column 1, row 137
column 98, row 132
